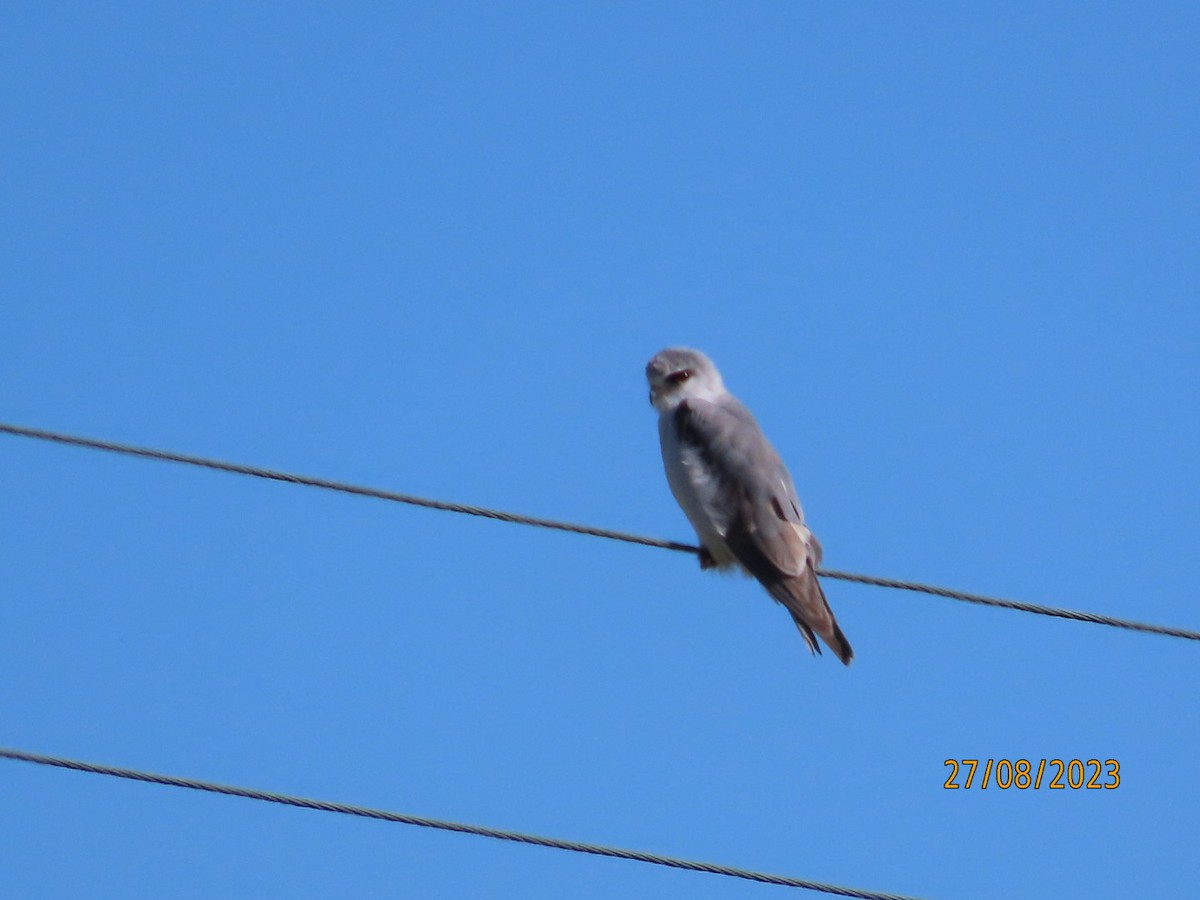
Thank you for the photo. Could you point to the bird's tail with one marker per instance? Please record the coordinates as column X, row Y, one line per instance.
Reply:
column 804, row 599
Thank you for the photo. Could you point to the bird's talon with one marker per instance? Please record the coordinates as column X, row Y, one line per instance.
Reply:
column 707, row 561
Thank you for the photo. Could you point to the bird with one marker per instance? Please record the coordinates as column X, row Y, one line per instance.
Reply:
column 737, row 493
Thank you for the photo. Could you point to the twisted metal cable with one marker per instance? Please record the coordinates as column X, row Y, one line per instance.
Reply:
column 343, row 487
column 500, row 515
column 1036, row 608
column 423, row 822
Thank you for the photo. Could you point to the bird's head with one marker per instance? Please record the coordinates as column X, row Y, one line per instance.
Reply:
column 677, row 374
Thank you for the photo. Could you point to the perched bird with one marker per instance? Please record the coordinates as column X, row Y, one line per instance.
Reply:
column 736, row 491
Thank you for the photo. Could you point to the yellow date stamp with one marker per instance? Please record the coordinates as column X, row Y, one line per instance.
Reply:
column 1023, row 774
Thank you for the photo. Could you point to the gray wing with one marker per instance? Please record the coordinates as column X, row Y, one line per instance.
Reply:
column 749, row 486
column 753, row 501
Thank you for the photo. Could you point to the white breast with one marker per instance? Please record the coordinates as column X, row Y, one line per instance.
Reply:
column 696, row 490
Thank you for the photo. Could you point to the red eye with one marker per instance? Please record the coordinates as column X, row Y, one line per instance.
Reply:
column 679, row 377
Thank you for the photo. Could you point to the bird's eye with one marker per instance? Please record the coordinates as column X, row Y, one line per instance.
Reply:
column 679, row 377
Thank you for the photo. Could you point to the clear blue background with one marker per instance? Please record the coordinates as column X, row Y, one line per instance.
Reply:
column 946, row 252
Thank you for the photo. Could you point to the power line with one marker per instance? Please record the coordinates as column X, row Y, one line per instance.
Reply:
column 423, row 822
column 500, row 515
column 343, row 487
column 1021, row 606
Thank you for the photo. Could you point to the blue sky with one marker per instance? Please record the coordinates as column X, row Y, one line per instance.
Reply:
column 947, row 254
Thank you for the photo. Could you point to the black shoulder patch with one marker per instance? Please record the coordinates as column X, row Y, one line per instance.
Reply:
column 690, row 434
column 697, row 436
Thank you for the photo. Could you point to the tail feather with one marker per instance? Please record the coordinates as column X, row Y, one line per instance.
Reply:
column 800, row 593
column 804, row 599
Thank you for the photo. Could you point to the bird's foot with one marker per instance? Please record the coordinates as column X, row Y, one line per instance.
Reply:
column 707, row 561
